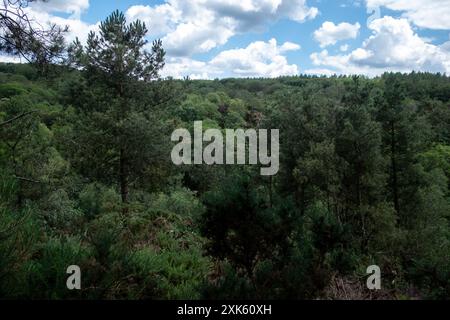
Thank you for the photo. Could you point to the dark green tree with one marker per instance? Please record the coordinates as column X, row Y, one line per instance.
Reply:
column 118, row 67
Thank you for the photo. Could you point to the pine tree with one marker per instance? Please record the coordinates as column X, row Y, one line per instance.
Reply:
column 116, row 61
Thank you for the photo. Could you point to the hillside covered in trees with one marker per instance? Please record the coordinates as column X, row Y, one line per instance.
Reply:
column 86, row 179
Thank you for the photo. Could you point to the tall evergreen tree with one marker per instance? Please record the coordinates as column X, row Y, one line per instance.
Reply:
column 116, row 61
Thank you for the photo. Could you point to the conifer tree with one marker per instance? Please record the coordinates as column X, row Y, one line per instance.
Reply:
column 116, row 61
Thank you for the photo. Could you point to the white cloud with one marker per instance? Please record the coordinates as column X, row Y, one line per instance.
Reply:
column 446, row 46
column 159, row 19
column 77, row 28
column 197, row 26
column 75, row 7
column 179, row 67
column 330, row 34
column 320, row 72
column 196, row 37
column 10, row 59
column 393, row 46
column 258, row 59
column 263, row 59
column 432, row 14
column 289, row 46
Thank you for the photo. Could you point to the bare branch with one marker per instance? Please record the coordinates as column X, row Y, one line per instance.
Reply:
column 23, row 36
column 16, row 118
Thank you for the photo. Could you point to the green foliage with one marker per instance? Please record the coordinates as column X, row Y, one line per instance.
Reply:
column 86, row 179
column 182, row 202
column 8, row 90
column 18, row 233
column 115, row 126
column 96, row 199
column 172, row 272
column 45, row 277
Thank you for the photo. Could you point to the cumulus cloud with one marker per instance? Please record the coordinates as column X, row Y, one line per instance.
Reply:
column 75, row 7
column 330, row 33
column 393, row 46
column 159, row 20
column 432, row 14
column 258, row 59
column 197, row 37
column 197, row 26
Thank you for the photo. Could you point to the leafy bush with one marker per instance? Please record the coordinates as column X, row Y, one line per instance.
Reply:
column 8, row 90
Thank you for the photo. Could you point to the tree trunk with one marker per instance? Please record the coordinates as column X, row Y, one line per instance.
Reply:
column 271, row 191
column 394, row 170
column 123, row 177
column 124, row 170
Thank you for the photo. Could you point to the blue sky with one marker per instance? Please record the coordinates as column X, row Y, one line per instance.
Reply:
column 269, row 38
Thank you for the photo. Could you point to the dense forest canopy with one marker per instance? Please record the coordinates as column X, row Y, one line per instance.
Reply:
column 86, row 179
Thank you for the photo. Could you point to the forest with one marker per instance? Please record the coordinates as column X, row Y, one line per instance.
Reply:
column 86, row 179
